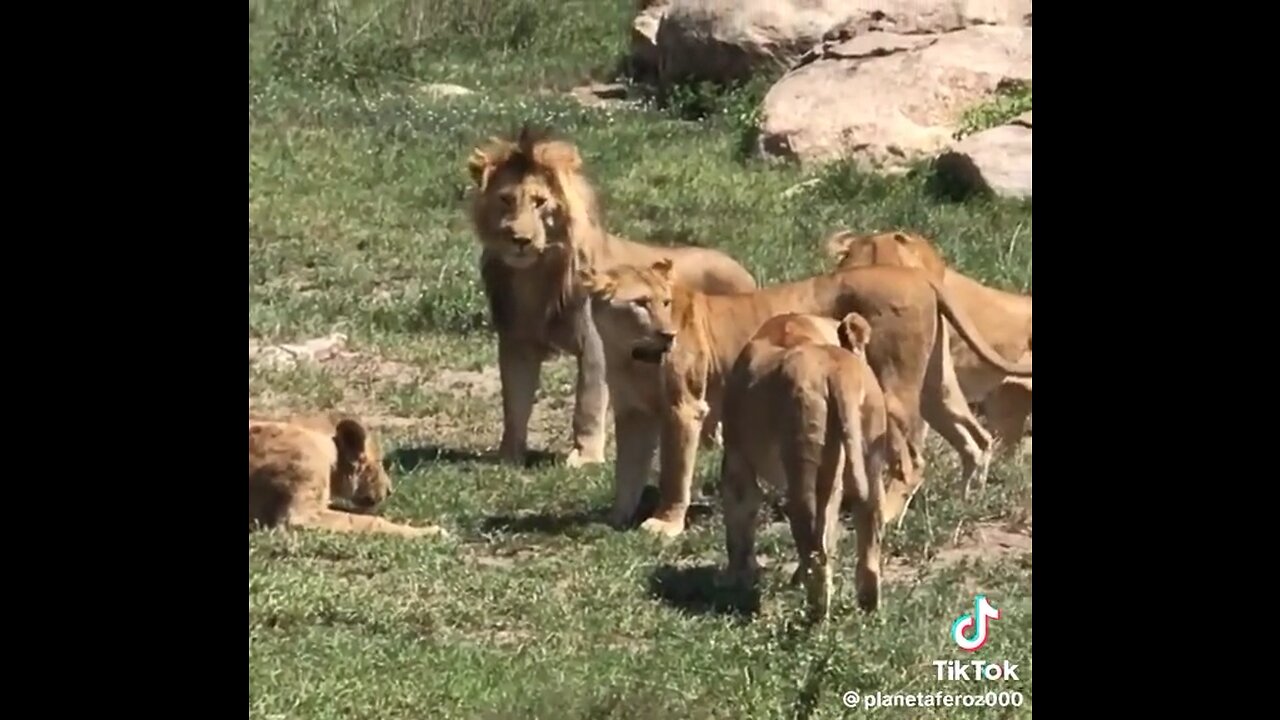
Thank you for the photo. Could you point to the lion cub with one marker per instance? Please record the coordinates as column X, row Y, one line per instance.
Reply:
column 798, row 403
column 299, row 465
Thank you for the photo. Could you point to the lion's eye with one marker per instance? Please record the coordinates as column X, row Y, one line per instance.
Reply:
column 538, row 202
column 641, row 302
column 666, row 302
column 507, row 200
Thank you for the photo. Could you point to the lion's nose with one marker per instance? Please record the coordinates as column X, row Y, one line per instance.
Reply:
column 667, row 337
column 521, row 241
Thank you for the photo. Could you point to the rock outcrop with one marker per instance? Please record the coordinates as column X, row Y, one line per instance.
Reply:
column 996, row 160
column 886, row 99
column 724, row 40
column 884, row 82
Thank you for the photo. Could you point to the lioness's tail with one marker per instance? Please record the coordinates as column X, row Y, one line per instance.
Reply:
column 967, row 330
column 846, row 396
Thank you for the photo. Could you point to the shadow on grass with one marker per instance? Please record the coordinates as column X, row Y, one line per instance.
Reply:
column 409, row 459
column 695, row 590
column 543, row 523
column 567, row 523
column 550, row 523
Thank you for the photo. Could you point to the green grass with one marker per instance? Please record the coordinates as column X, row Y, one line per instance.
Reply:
column 535, row 608
column 1009, row 101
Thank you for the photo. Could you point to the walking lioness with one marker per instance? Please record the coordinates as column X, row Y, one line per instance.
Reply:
column 1003, row 318
column 804, row 413
column 646, row 317
column 538, row 222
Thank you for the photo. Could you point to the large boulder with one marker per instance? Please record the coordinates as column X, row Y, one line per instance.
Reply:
column 644, row 36
column 997, row 160
column 886, row 99
column 726, row 40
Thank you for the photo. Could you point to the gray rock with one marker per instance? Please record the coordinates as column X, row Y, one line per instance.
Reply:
column 996, row 160
column 725, row 40
column 887, row 99
column 444, row 90
column 644, row 35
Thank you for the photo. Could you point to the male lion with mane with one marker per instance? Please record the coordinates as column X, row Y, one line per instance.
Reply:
column 301, row 466
column 804, row 412
column 538, row 221
column 693, row 339
column 1003, row 318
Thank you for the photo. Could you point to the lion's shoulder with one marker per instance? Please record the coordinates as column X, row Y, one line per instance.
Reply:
column 304, row 437
column 284, row 442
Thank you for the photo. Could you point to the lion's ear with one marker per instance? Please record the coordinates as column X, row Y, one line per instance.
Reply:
column 902, row 238
column 597, row 284
column 854, row 332
column 485, row 159
column 663, row 268
column 837, row 244
column 558, row 155
column 480, row 167
column 350, row 437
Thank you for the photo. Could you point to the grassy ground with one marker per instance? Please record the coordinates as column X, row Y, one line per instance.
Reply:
column 535, row 608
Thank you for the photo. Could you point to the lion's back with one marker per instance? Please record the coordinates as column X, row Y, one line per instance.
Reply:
column 286, row 460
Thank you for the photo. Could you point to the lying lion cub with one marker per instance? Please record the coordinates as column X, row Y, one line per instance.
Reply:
column 668, row 347
column 299, row 465
column 1004, row 318
column 799, row 402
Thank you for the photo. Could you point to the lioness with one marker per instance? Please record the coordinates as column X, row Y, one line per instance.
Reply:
column 538, row 221
column 644, row 314
column 804, row 412
column 299, row 466
column 1003, row 318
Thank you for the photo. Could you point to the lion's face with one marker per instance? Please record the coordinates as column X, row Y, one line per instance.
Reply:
column 521, row 216
column 632, row 309
column 521, row 211
column 903, row 476
column 890, row 248
column 359, row 478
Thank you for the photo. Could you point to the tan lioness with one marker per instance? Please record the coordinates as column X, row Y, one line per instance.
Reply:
column 804, row 412
column 538, row 221
column 644, row 315
column 301, row 466
column 1003, row 318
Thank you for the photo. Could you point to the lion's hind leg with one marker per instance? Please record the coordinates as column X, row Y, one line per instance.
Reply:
column 813, row 460
column 742, row 497
column 591, row 400
column 943, row 406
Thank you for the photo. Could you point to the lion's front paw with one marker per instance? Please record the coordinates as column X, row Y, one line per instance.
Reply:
column 580, row 458
column 868, row 593
column 662, row 528
column 513, row 455
column 428, row 531
column 620, row 519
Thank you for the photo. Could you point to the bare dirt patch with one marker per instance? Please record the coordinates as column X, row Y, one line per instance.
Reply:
column 983, row 543
column 484, row 383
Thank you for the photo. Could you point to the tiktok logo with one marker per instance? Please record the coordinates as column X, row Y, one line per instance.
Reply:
column 977, row 621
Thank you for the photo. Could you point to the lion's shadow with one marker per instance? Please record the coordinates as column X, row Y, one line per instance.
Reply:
column 408, row 459
column 550, row 523
column 699, row 590
column 570, row 523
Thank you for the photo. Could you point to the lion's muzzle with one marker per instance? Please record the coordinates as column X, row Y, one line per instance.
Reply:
column 653, row 352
